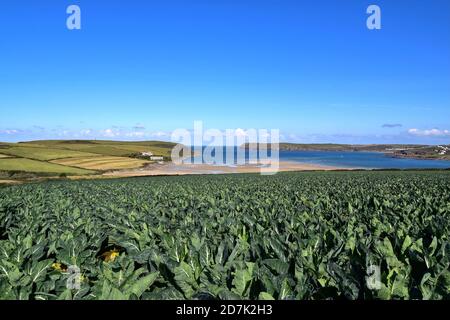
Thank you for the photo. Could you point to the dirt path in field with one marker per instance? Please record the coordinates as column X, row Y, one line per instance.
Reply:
column 184, row 169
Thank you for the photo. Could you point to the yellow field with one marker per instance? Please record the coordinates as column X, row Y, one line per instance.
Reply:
column 102, row 162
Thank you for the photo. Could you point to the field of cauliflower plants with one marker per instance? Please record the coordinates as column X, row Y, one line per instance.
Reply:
column 330, row 235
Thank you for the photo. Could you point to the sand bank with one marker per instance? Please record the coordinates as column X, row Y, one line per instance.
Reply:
column 184, row 169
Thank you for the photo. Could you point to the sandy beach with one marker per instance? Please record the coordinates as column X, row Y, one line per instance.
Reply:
column 185, row 169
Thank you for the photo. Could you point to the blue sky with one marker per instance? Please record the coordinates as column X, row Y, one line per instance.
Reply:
column 139, row 69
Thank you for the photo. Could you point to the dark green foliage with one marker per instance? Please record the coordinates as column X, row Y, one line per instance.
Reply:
column 289, row 236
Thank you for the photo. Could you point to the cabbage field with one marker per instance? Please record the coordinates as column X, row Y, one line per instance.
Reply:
column 330, row 235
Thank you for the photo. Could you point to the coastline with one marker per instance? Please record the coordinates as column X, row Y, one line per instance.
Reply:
column 406, row 151
column 189, row 169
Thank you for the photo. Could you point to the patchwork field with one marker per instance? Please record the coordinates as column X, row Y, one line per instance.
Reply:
column 102, row 162
column 76, row 157
column 98, row 149
column 29, row 165
column 112, row 148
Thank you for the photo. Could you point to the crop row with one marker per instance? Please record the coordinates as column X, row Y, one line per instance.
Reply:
column 352, row 235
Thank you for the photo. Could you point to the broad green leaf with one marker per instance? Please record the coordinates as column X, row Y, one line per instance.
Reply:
column 406, row 243
column 65, row 295
column 143, row 284
column 265, row 296
column 185, row 279
column 242, row 279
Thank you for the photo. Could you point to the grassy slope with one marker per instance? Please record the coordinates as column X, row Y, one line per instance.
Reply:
column 42, row 153
column 102, row 162
column 68, row 156
column 29, row 165
column 111, row 148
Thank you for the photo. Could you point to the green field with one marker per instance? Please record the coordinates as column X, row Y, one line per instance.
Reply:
column 288, row 236
column 102, row 162
column 44, row 153
column 105, row 147
column 71, row 155
column 28, row 165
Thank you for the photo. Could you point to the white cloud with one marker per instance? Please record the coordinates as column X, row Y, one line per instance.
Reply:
column 159, row 134
column 135, row 134
column 429, row 132
column 8, row 131
column 122, row 133
column 86, row 132
column 109, row 133
column 240, row 132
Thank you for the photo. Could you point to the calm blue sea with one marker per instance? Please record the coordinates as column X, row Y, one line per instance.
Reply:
column 349, row 159
column 365, row 160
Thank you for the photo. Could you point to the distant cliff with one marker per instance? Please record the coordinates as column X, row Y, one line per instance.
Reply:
column 396, row 150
